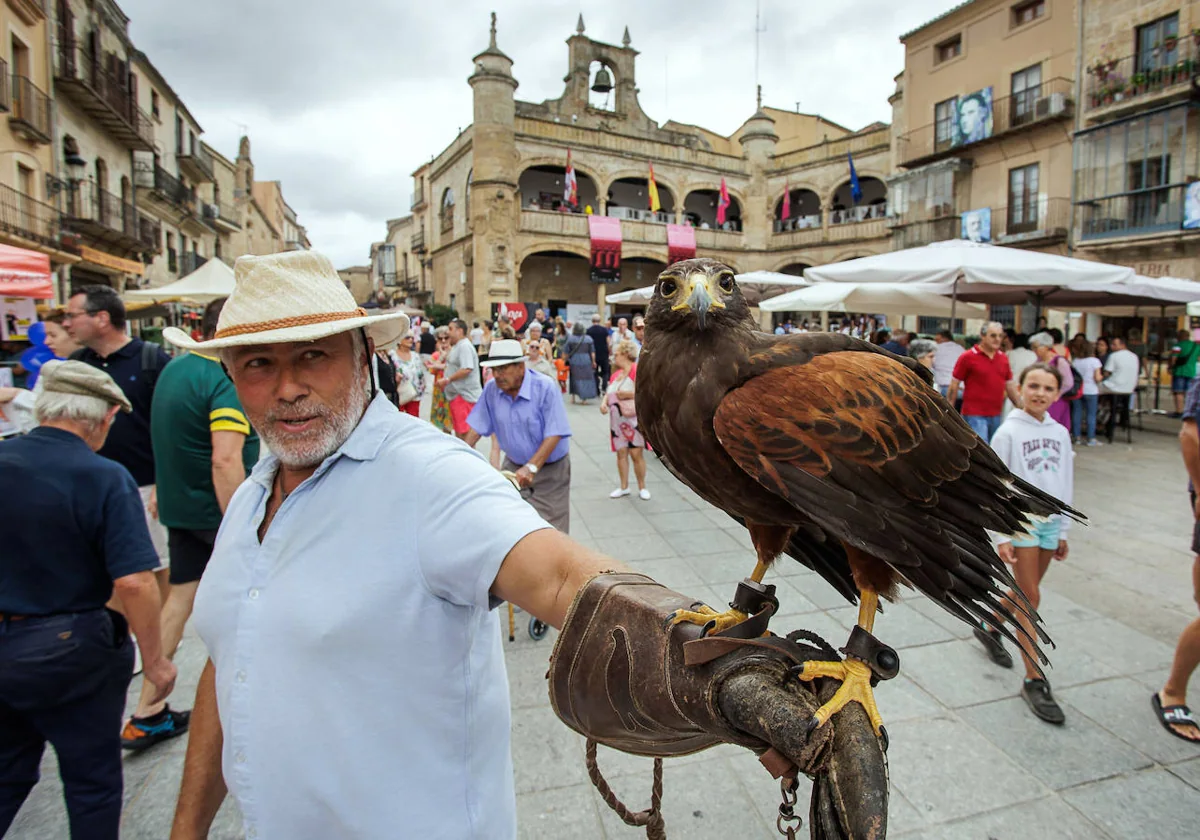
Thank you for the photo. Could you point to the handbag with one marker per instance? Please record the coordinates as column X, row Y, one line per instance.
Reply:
column 626, row 405
column 406, row 392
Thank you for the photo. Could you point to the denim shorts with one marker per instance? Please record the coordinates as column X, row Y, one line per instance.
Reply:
column 1180, row 384
column 1041, row 535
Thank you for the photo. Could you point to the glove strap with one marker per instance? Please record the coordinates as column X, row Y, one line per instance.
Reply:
column 651, row 818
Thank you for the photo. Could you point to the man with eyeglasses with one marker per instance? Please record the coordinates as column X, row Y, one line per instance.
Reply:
column 985, row 374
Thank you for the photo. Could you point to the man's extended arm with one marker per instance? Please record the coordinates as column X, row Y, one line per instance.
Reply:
column 543, row 451
column 543, row 572
column 952, row 391
column 203, row 789
column 228, row 471
column 1014, row 393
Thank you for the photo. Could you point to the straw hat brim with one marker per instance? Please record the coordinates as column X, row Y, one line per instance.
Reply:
column 383, row 330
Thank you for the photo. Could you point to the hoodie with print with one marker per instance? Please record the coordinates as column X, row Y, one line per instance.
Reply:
column 1040, row 453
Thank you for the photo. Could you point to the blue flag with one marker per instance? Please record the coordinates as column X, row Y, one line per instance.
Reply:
column 855, row 187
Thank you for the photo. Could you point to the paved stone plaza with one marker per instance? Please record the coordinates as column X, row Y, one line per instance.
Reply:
column 968, row 761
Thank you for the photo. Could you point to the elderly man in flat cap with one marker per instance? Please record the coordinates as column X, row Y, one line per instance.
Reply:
column 74, row 532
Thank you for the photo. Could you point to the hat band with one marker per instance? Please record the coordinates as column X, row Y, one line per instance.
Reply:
column 284, row 323
column 505, row 358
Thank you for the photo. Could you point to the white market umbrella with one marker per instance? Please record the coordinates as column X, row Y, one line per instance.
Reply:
column 978, row 272
column 1138, row 292
column 756, row 287
column 210, row 281
column 891, row 299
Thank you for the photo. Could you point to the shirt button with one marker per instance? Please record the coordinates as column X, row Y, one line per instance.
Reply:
column 240, row 757
column 240, row 676
column 253, row 594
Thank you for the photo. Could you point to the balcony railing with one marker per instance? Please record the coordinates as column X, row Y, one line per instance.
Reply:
column 1050, row 100
column 105, row 95
column 166, row 185
column 196, row 163
column 219, row 211
column 1043, row 218
column 190, row 262
column 30, row 110
column 28, row 218
column 925, row 231
column 150, row 234
column 418, row 241
column 1157, row 73
column 861, row 213
column 634, row 214
column 1153, row 210
column 553, row 221
column 798, row 223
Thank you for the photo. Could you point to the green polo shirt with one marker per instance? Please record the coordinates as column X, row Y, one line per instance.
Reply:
column 193, row 399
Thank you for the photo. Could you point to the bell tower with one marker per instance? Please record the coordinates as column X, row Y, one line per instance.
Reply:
column 758, row 139
column 494, row 179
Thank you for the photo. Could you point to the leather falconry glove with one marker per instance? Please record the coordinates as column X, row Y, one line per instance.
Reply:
column 621, row 676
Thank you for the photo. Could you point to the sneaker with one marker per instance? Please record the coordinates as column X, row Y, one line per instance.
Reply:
column 1094, row 442
column 1041, row 701
column 142, row 733
column 619, row 493
column 644, row 494
column 994, row 645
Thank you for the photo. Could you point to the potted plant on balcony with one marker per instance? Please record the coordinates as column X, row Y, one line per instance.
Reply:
column 1139, row 83
column 1196, row 36
column 1170, row 42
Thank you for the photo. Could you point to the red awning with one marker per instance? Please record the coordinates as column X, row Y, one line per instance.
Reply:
column 24, row 273
column 605, row 233
column 681, row 243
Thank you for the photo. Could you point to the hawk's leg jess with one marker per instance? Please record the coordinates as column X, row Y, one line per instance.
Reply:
column 710, row 619
column 854, row 672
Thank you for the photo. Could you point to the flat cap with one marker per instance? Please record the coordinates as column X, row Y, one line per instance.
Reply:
column 72, row 377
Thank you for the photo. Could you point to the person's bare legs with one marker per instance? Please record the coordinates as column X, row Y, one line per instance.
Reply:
column 1029, row 570
column 175, row 612
column 1187, row 658
column 1178, row 397
column 639, row 467
column 623, row 467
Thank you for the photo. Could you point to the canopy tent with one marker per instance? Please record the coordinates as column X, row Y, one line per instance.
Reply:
column 756, row 287
column 978, row 272
column 1122, row 298
column 24, row 273
column 891, row 299
column 210, row 281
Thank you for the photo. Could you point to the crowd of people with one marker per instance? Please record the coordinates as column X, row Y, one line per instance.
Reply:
column 131, row 463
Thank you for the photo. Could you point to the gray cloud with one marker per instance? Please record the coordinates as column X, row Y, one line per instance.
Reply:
column 343, row 105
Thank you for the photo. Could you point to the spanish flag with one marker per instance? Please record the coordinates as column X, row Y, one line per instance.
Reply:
column 653, row 190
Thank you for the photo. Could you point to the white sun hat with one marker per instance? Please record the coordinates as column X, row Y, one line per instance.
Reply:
column 291, row 296
column 506, row 351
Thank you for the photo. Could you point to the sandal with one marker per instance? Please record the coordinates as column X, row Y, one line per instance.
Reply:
column 1175, row 715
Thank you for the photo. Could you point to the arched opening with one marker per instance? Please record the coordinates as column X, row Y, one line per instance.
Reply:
column 700, row 210
column 447, row 211
column 556, row 280
column 794, row 269
column 629, row 198
column 872, row 205
column 804, row 212
column 467, row 190
column 601, row 75
column 636, row 273
column 543, row 188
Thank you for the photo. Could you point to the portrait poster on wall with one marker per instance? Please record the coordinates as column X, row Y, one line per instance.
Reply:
column 977, row 225
column 1191, row 206
column 973, row 120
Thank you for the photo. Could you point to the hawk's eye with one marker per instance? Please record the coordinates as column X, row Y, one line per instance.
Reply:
column 725, row 283
column 667, row 287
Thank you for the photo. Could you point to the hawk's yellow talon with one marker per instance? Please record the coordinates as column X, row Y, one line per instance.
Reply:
column 706, row 616
column 856, row 686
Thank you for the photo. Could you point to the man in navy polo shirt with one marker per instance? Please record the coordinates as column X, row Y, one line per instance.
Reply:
column 74, row 533
column 95, row 318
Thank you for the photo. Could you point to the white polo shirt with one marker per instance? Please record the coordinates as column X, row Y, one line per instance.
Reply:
column 360, row 675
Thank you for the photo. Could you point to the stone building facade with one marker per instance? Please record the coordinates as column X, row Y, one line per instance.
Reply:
column 487, row 224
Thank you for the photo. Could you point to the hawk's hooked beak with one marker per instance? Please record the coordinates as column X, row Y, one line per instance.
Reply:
column 699, row 299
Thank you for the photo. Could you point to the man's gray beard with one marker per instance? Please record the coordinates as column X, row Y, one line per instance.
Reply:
column 302, row 453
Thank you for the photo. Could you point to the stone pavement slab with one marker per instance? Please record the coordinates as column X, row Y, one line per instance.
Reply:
column 967, row 761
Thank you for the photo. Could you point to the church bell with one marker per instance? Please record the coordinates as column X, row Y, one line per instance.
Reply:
column 603, row 83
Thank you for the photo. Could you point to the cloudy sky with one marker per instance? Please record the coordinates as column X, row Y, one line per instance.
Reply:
column 343, row 101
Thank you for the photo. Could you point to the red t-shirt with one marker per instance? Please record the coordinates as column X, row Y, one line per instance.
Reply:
column 985, row 380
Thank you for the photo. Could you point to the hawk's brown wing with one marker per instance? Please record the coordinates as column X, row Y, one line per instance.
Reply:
column 863, row 446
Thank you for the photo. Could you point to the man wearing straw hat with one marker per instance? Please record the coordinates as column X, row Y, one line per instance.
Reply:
column 74, row 533
column 524, row 410
column 356, row 674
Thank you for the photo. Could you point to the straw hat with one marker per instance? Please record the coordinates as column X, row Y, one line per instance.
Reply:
column 292, row 296
column 507, row 351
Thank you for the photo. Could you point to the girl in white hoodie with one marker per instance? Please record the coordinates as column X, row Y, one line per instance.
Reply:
column 1036, row 448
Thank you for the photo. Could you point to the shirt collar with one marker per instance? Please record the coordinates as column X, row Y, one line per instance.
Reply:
column 362, row 445
column 61, row 435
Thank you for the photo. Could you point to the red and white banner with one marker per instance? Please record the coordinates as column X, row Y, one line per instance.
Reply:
column 570, row 186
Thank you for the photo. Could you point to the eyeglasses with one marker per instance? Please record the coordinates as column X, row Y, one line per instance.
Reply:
column 68, row 315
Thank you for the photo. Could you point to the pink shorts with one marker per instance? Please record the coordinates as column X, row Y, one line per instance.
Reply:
column 459, row 409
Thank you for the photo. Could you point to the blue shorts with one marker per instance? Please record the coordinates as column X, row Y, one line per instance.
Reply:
column 1180, row 384
column 1041, row 535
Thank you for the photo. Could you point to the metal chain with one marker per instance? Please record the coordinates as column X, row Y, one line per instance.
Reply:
column 787, row 809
